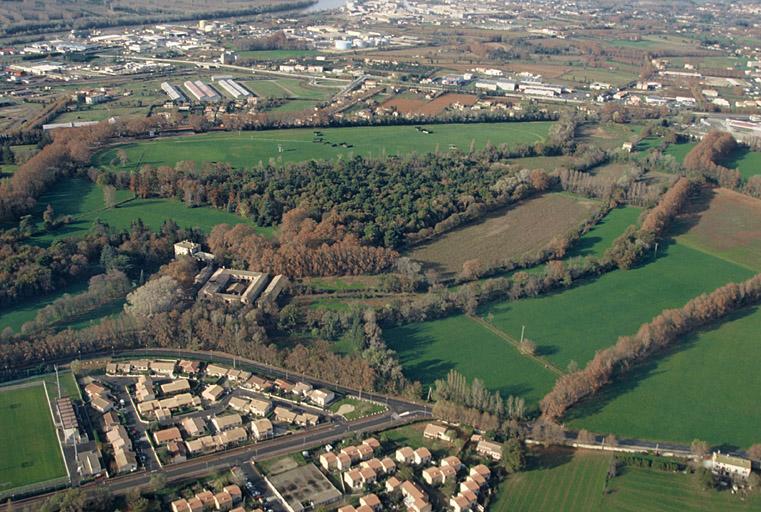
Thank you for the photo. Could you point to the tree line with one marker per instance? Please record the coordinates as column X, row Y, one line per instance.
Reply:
column 662, row 331
column 102, row 289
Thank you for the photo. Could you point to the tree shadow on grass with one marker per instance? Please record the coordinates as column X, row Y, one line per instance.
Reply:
column 631, row 380
column 538, row 459
column 693, row 213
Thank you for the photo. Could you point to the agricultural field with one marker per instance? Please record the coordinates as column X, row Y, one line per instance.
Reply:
column 563, row 480
column 29, row 450
column 571, row 325
column 746, row 161
column 509, row 233
column 555, row 479
column 84, row 200
column 406, row 104
column 696, row 383
column 428, row 350
column 246, row 149
column 726, row 224
column 600, row 238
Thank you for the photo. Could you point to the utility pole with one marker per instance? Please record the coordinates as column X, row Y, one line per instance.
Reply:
column 57, row 381
column 655, row 252
column 523, row 331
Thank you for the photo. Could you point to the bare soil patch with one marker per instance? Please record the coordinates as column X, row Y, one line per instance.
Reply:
column 507, row 233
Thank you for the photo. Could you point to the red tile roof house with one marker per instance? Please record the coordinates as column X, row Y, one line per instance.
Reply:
column 371, row 500
column 422, row 456
column 223, row 501
column 167, row 435
column 328, row 461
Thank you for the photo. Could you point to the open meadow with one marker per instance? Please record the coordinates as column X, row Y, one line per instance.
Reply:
column 746, row 161
column 29, row 450
column 508, row 233
column 428, row 350
column 246, row 149
column 83, row 199
column 555, row 479
column 571, row 325
column 706, row 387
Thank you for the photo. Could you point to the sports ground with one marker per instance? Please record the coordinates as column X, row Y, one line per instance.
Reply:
column 29, row 449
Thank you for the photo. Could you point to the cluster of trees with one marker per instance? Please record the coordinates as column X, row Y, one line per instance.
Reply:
column 715, row 147
column 627, row 190
column 649, row 461
column 101, row 290
column 456, row 389
column 28, row 270
column 628, row 249
column 382, row 199
column 304, row 247
column 664, row 330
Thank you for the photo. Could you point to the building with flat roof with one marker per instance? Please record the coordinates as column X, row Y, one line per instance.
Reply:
column 235, row 285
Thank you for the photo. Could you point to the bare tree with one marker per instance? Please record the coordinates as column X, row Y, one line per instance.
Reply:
column 153, row 297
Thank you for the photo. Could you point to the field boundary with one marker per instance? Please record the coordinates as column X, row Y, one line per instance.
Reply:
column 516, row 344
column 45, row 485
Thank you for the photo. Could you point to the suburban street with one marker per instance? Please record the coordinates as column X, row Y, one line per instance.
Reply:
column 400, row 412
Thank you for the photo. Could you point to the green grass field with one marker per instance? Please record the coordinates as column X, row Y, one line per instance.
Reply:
column 555, row 480
column 707, row 388
column 29, row 451
column 745, row 161
column 679, row 151
column 563, row 480
column 599, row 239
column 84, row 200
column 246, row 149
column 573, row 324
column 429, row 350
column 638, row 489
column 16, row 315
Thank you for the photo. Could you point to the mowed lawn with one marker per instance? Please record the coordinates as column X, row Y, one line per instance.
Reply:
column 519, row 230
column 84, row 200
column 246, row 149
column 707, row 388
column 556, row 480
column 571, row 325
column 428, row 350
column 29, row 450
column 726, row 224
column 639, row 489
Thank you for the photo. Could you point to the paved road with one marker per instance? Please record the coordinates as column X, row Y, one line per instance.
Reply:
column 198, row 467
column 399, row 412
